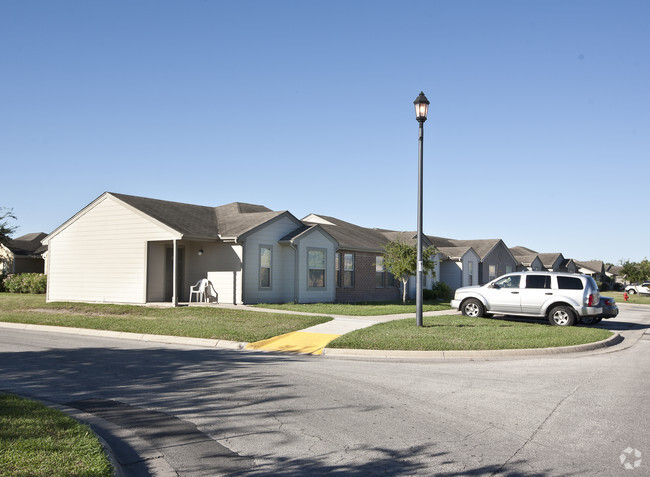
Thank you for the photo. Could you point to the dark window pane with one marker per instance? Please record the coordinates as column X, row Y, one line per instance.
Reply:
column 265, row 277
column 316, row 278
column 538, row 281
column 569, row 283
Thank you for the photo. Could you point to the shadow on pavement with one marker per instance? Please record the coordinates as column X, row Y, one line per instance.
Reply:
column 169, row 393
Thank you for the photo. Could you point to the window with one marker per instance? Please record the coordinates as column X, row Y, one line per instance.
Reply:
column 265, row 266
column 380, row 272
column 316, row 268
column 348, row 270
column 508, row 269
column 492, row 272
column 569, row 283
column 538, row 281
column 470, row 273
column 337, row 266
column 390, row 280
column 508, row 282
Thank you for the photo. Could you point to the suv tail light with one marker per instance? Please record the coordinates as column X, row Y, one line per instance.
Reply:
column 591, row 300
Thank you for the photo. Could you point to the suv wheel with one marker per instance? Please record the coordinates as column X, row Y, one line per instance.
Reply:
column 473, row 308
column 562, row 316
column 632, row 291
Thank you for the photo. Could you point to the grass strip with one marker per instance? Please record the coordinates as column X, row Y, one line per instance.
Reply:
column 633, row 299
column 195, row 322
column 38, row 441
column 454, row 332
column 357, row 309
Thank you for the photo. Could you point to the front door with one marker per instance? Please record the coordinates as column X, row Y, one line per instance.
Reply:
column 503, row 295
column 169, row 271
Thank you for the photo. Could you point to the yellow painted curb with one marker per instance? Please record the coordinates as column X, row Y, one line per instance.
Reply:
column 296, row 342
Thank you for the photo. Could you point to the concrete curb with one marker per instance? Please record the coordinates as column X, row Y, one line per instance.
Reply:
column 327, row 352
column 138, row 457
column 181, row 340
column 498, row 353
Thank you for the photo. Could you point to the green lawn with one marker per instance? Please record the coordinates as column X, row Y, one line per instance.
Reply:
column 635, row 299
column 454, row 332
column 357, row 309
column 196, row 322
column 38, row 441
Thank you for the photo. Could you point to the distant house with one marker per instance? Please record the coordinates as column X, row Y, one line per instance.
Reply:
column 593, row 268
column 552, row 262
column 459, row 266
column 23, row 254
column 494, row 257
column 527, row 260
column 613, row 272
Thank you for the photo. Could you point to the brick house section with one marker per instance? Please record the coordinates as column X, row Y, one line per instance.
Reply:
column 365, row 284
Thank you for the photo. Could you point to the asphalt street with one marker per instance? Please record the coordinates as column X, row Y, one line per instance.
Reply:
column 251, row 413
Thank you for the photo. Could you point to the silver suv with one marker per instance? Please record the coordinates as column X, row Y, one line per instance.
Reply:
column 563, row 298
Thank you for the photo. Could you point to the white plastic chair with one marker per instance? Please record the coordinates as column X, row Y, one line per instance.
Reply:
column 199, row 290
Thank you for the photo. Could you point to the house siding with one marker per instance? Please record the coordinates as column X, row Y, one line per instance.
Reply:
column 501, row 258
column 101, row 256
column 365, row 287
column 282, row 262
column 325, row 294
column 451, row 272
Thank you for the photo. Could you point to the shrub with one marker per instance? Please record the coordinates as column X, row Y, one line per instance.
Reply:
column 26, row 283
column 439, row 291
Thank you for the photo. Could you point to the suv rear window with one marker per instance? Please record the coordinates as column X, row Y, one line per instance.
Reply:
column 538, row 281
column 569, row 283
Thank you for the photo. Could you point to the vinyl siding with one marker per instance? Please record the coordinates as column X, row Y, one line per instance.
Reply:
column 282, row 260
column 451, row 273
column 101, row 256
column 327, row 293
column 501, row 258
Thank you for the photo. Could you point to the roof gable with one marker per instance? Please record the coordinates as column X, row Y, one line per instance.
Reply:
column 350, row 236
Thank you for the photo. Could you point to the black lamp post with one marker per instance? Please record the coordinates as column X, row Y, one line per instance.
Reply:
column 421, row 110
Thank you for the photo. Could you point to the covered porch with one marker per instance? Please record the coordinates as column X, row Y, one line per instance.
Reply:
column 189, row 261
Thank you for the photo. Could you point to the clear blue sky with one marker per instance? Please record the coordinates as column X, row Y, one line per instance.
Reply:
column 538, row 130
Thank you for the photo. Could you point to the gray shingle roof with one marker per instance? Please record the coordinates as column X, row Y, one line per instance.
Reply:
column 197, row 221
column 354, row 237
column 525, row 259
column 481, row 246
column 27, row 245
column 548, row 259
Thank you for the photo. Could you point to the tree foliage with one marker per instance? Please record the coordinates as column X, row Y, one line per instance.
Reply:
column 636, row 272
column 400, row 259
column 6, row 230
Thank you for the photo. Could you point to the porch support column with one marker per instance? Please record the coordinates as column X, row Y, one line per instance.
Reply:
column 175, row 275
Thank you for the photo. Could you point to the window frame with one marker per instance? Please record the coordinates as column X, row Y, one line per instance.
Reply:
column 492, row 276
column 380, row 276
column 347, row 271
column 270, row 268
column 324, row 269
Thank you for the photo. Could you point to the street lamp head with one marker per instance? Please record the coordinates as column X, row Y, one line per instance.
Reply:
column 421, row 107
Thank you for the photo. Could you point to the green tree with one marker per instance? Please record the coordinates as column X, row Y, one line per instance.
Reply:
column 636, row 272
column 6, row 230
column 400, row 259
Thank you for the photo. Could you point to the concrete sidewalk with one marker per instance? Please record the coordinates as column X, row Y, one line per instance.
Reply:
column 313, row 340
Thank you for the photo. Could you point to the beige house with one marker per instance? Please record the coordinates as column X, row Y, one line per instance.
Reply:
column 127, row 249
